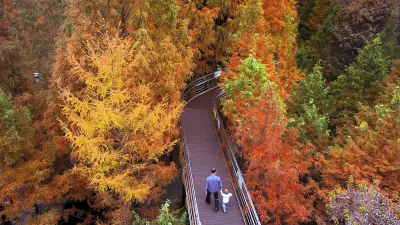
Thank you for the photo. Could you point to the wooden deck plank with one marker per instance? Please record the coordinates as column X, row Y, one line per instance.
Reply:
column 204, row 154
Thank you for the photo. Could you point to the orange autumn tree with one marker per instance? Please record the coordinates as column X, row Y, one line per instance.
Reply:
column 203, row 37
column 268, row 31
column 117, row 130
column 35, row 184
column 11, row 58
column 163, row 61
column 250, row 38
column 28, row 177
column 226, row 7
column 275, row 161
column 281, row 17
column 250, row 61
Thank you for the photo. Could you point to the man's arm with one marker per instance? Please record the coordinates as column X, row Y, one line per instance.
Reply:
column 220, row 183
column 206, row 188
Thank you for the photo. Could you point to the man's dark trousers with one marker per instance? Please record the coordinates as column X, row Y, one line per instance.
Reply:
column 208, row 200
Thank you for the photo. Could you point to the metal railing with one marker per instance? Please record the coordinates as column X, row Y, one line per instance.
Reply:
column 200, row 86
column 191, row 202
column 246, row 205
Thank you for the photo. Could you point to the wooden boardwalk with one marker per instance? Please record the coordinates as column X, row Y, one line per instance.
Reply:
column 205, row 153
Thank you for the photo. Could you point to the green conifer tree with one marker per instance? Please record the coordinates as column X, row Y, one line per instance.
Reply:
column 391, row 45
column 16, row 133
column 246, row 89
column 361, row 83
column 319, row 45
column 309, row 107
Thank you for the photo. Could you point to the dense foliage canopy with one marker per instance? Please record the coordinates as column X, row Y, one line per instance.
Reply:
column 91, row 96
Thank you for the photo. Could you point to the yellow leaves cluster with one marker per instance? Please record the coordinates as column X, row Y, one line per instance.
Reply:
column 117, row 128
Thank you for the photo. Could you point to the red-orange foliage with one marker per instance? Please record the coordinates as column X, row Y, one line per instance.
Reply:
column 201, row 22
column 251, row 37
column 10, row 50
column 275, row 163
column 36, row 176
column 281, row 16
column 268, row 30
column 274, row 13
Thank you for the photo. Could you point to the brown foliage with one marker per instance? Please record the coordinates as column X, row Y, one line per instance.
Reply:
column 354, row 25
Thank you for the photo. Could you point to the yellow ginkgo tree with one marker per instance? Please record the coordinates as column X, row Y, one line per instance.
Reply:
column 117, row 129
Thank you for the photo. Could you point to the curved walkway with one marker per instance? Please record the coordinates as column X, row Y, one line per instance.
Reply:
column 205, row 153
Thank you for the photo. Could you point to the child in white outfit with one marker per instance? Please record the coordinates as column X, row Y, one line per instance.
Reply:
column 225, row 199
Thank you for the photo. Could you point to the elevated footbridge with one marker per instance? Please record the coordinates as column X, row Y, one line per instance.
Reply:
column 204, row 145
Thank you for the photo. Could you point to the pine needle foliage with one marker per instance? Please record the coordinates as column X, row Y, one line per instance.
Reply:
column 117, row 132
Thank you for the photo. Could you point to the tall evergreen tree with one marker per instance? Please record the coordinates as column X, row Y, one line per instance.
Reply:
column 305, row 9
column 309, row 108
column 16, row 132
column 390, row 36
column 319, row 45
column 361, row 83
column 246, row 89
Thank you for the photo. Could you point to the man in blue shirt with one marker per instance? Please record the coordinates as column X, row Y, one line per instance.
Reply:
column 213, row 185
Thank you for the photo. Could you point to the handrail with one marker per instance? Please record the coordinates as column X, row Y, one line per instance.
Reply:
column 203, row 78
column 187, row 178
column 248, row 210
column 200, row 86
